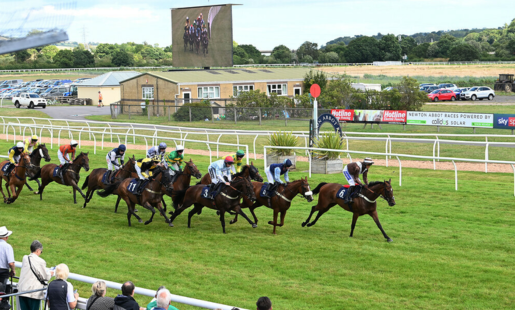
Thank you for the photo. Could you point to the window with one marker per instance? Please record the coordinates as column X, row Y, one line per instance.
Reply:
column 237, row 89
column 148, row 92
column 279, row 89
column 209, row 92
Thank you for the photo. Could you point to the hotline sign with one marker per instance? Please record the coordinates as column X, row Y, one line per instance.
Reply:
column 343, row 115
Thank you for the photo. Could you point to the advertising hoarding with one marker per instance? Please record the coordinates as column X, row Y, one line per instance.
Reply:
column 450, row 119
column 504, row 121
column 370, row 116
column 202, row 36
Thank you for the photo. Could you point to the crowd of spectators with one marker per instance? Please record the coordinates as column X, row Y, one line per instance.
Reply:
column 59, row 293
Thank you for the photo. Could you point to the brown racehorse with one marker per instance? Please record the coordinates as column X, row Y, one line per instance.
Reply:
column 364, row 204
column 280, row 203
column 182, row 182
column 71, row 176
column 150, row 197
column 16, row 179
column 93, row 181
column 254, row 175
column 35, row 158
column 227, row 200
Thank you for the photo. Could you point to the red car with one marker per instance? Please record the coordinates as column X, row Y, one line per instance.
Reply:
column 442, row 94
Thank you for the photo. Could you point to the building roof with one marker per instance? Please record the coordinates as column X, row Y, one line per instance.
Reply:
column 230, row 75
column 112, row 78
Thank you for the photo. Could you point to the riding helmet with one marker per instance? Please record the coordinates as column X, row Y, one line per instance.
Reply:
column 179, row 148
column 35, row 137
column 20, row 145
column 122, row 147
column 368, row 161
column 156, row 158
column 287, row 162
column 73, row 143
column 229, row 159
column 240, row 153
column 162, row 145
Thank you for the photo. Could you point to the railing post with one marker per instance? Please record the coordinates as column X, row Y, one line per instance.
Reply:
column 189, row 109
column 455, row 175
column 486, row 158
column 235, row 121
column 400, row 171
column 260, row 119
column 212, row 116
column 169, row 120
column 129, row 111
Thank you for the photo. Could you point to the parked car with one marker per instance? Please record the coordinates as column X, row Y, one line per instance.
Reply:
column 424, row 88
column 448, row 86
column 430, row 89
column 11, row 82
column 478, row 92
column 458, row 92
column 426, row 84
column 55, row 92
column 29, row 100
column 442, row 95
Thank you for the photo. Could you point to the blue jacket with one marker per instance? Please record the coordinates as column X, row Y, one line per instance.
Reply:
column 114, row 154
column 277, row 170
column 220, row 170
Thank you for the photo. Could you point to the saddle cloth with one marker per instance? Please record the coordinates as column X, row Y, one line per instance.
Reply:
column 341, row 192
column 4, row 168
column 133, row 185
column 55, row 171
column 205, row 192
column 263, row 192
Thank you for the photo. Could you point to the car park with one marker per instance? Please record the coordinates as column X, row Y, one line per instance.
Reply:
column 478, row 92
column 30, row 100
column 430, row 89
column 448, row 86
column 426, row 84
column 55, row 92
column 442, row 95
column 458, row 92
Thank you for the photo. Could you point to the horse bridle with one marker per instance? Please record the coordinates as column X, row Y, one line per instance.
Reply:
column 294, row 194
column 243, row 179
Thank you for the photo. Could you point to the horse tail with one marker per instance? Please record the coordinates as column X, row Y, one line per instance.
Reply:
column 108, row 190
column 85, row 183
column 36, row 176
column 317, row 189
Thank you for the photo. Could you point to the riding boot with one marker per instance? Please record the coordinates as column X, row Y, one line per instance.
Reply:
column 348, row 195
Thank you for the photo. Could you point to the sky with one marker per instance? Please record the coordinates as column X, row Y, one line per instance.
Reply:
column 268, row 23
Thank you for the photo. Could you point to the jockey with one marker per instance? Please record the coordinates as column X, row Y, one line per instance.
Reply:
column 351, row 173
column 63, row 156
column 31, row 144
column 274, row 172
column 114, row 155
column 14, row 157
column 159, row 151
column 187, row 22
column 175, row 159
column 220, row 173
column 238, row 161
column 144, row 168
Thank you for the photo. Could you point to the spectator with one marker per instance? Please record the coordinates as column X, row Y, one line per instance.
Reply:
column 126, row 300
column 264, row 303
column 33, row 276
column 6, row 256
column 153, row 303
column 60, row 294
column 99, row 301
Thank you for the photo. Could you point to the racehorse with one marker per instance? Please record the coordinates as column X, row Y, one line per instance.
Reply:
column 16, row 179
column 186, row 38
column 35, row 158
column 253, row 172
column 71, row 175
column 150, row 197
column 197, row 44
column 192, row 40
column 365, row 203
column 94, row 179
column 181, row 182
column 227, row 200
column 205, row 43
column 280, row 203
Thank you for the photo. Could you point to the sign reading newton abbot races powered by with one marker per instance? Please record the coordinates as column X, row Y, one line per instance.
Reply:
column 451, row 119
column 370, row 116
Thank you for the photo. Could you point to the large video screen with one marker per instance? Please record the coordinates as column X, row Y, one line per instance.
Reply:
column 202, row 36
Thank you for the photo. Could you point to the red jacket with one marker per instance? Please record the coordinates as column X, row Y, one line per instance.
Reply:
column 67, row 149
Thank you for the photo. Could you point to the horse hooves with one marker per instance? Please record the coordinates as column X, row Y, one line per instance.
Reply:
column 147, row 222
column 140, row 220
column 217, row 212
column 304, row 224
column 171, row 212
column 270, row 223
column 171, row 225
column 389, row 240
column 232, row 222
column 254, row 225
column 36, row 193
column 310, row 224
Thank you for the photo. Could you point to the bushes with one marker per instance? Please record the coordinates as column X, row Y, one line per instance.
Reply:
column 282, row 138
column 199, row 112
column 328, row 141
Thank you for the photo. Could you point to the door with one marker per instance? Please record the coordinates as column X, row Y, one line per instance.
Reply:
column 186, row 97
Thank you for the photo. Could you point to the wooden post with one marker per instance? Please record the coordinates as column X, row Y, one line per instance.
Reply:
column 190, row 113
column 260, row 119
column 235, row 121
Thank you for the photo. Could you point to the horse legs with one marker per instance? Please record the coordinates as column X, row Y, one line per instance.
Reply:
column 74, row 196
column 319, row 214
column 76, row 188
column 373, row 214
column 310, row 215
column 148, row 206
column 1, row 190
column 164, row 203
column 162, row 211
column 192, row 212
column 117, row 202
column 28, row 186
column 89, row 195
column 16, row 192
column 130, row 211
column 354, row 220
column 283, row 215
column 276, row 211
column 44, row 183
column 238, row 209
column 179, row 211
column 222, row 219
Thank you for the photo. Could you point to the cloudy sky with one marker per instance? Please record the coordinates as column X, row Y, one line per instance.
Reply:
column 268, row 23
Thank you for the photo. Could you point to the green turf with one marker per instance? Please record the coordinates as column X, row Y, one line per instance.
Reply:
column 451, row 249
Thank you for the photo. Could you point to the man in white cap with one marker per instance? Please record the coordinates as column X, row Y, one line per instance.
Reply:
column 6, row 256
column 351, row 173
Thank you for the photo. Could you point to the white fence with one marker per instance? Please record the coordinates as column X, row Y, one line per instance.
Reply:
column 452, row 159
column 143, row 291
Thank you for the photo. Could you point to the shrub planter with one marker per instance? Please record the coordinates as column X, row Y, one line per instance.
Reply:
column 322, row 166
column 274, row 159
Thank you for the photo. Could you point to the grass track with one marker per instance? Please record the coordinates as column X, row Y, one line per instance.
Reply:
column 451, row 250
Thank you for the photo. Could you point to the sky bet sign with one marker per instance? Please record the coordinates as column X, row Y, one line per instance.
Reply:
column 504, row 121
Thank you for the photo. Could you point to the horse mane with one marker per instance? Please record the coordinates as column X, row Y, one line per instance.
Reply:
column 375, row 183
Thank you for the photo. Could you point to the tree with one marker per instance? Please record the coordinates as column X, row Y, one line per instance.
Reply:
column 240, row 52
column 363, row 49
column 307, row 59
column 199, row 111
column 308, row 48
column 22, row 56
column 252, row 52
column 407, row 45
column 83, row 58
column 332, row 57
column 464, row 52
column 433, row 51
column 64, row 59
column 444, row 45
column 105, row 49
column 412, row 98
column 420, row 51
column 167, row 49
column 49, row 51
column 282, row 54
column 511, row 46
column 123, row 59
column 338, row 48
column 338, row 93
column 390, row 48
column 315, row 77
column 252, row 98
